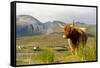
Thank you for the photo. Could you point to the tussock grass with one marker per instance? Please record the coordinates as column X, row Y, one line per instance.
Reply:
column 47, row 56
column 51, row 50
column 88, row 53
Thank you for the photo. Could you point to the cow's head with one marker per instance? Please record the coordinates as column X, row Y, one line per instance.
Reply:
column 69, row 28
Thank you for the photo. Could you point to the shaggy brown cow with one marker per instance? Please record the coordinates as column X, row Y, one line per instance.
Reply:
column 75, row 36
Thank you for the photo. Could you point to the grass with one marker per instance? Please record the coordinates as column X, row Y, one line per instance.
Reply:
column 52, row 50
column 88, row 53
column 47, row 56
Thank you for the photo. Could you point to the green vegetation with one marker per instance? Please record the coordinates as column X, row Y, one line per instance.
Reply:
column 88, row 53
column 52, row 48
column 47, row 56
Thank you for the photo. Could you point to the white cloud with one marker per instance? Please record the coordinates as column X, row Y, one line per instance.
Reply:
column 55, row 12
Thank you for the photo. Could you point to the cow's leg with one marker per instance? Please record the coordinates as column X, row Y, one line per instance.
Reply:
column 71, row 46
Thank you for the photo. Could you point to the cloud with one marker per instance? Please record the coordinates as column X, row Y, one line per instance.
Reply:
column 55, row 12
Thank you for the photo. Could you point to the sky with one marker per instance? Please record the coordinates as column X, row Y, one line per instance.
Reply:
column 65, row 14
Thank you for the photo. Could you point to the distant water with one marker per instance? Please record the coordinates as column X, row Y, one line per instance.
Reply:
column 24, row 54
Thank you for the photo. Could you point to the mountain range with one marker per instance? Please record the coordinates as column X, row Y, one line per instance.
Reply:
column 28, row 25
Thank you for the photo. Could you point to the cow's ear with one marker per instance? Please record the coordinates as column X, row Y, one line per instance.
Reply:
column 72, row 25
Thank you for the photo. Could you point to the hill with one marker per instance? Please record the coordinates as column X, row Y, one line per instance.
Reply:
column 27, row 25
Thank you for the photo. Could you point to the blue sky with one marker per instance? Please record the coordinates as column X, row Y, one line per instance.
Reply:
column 65, row 14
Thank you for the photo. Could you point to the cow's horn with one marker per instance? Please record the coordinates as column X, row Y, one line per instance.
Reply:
column 73, row 24
column 83, row 29
column 62, row 26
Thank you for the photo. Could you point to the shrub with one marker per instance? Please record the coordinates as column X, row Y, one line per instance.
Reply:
column 47, row 56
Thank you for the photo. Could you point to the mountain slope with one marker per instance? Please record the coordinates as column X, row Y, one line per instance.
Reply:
column 28, row 25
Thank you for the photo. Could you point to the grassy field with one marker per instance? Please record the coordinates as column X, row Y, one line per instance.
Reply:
column 52, row 48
